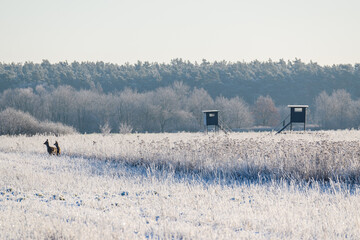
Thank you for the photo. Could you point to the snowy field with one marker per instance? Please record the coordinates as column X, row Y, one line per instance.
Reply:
column 182, row 186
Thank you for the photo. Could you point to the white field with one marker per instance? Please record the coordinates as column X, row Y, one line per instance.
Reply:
column 182, row 186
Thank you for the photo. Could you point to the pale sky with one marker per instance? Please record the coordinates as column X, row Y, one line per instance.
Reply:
column 324, row 31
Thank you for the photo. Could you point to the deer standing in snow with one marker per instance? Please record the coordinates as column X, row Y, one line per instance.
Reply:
column 50, row 150
column 58, row 150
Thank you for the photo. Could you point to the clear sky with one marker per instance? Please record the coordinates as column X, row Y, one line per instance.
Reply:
column 117, row 31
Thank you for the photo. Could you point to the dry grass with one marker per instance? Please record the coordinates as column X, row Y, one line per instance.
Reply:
column 181, row 186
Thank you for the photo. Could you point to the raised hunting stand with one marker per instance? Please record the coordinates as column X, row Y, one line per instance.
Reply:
column 211, row 118
column 297, row 115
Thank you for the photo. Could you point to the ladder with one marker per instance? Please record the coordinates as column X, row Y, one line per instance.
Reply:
column 222, row 125
column 283, row 125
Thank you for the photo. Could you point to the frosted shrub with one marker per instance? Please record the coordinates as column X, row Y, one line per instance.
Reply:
column 48, row 127
column 125, row 128
column 14, row 122
column 105, row 128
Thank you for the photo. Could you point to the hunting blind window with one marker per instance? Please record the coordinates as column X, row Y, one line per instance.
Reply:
column 297, row 109
column 212, row 115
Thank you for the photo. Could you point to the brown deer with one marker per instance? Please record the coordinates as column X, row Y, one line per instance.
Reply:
column 51, row 150
column 58, row 150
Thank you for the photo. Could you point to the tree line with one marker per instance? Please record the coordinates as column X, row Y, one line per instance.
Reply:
column 172, row 108
column 166, row 109
column 337, row 110
column 287, row 82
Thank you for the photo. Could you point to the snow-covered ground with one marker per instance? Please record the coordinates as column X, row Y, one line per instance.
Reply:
column 179, row 186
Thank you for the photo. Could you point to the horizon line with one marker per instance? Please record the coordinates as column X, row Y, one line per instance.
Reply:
column 180, row 59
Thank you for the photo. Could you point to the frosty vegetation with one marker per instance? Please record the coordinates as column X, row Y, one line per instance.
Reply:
column 286, row 82
column 168, row 109
column 173, row 108
column 15, row 122
column 181, row 186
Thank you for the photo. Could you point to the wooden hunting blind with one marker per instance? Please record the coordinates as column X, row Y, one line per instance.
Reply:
column 211, row 118
column 297, row 115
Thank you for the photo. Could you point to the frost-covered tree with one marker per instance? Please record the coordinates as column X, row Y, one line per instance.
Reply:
column 323, row 109
column 199, row 100
column 60, row 104
column 23, row 99
column 234, row 112
column 337, row 110
column 165, row 106
column 265, row 111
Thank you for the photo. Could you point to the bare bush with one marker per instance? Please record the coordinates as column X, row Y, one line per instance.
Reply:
column 125, row 128
column 14, row 122
column 105, row 128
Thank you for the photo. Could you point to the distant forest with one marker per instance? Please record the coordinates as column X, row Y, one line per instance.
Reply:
column 286, row 82
column 153, row 97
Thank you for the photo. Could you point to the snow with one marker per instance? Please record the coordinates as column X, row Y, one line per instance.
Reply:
column 184, row 185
